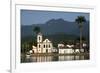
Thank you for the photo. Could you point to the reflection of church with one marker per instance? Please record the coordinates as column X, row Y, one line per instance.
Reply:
column 42, row 46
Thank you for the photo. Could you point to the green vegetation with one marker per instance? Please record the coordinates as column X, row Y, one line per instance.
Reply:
column 36, row 30
column 27, row 42
column 80, row 21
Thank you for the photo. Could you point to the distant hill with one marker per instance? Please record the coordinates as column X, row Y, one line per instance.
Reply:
column 55, row 26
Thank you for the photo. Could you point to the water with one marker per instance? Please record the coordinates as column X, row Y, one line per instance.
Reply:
column 53, row 58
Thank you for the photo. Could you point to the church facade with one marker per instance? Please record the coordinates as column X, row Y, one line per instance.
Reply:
column 43, row 46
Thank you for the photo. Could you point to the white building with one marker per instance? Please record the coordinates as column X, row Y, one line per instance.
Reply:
column 42, row 46
column 77, row 50
column 70, row 46
column 66, row 50
column 34, row 49
column 60, row 45
column 84, row 44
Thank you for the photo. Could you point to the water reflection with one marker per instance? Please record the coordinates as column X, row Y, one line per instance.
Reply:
column 53, row 58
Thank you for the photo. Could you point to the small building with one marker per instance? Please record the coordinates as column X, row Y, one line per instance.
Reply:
column 70, row 46
column 60, row 45
column 84, row 44
column 77, row 50
column 34, row 49
column 66, row 50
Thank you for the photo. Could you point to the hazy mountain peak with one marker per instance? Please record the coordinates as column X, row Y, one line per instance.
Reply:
column 50, row 21
column 60, row 19
column 53, row 21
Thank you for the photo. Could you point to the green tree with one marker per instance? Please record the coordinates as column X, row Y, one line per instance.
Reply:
column 80, row 21
column 36, row 29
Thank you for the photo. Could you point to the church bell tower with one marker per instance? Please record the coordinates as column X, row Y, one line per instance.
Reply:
column 39, row 43
column 39, row 38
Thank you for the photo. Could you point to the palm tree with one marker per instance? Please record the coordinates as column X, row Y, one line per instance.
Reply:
column 36, row 29
column 80, row 21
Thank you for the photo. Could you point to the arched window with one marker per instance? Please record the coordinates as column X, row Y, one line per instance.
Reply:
column 39, row 37
column 44, row 46
column 49, row 45
column 39, row 45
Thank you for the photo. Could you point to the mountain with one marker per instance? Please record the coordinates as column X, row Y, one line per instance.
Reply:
column 56, row 26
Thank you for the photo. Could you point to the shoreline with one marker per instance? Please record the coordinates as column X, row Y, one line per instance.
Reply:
column 52, row 54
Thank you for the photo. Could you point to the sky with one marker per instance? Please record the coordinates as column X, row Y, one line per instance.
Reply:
column 29, row 17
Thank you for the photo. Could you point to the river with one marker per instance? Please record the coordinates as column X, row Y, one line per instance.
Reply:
column 53, row 58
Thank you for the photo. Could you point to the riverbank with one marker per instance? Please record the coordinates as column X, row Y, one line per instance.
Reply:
column 47, row 57
column 56, row 54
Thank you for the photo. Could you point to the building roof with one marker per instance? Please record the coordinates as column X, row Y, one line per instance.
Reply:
column 47, row 41
column 34, row 47
column 64, row 47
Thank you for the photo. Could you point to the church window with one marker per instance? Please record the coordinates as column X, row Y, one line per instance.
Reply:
column 39, row 38
column 49, row 45
column 44, row 46
column 39, row 46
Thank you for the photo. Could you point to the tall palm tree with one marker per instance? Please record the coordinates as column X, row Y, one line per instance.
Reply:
column 80, row 21
column 36, row 29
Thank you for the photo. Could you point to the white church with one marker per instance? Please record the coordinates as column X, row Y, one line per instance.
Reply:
column 43, row 46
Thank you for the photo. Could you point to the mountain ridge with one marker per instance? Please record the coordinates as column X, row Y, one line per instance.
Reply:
column 56, row 26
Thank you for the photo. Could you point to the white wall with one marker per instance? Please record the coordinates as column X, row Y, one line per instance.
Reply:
column 66, row 51
column 5, row 37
